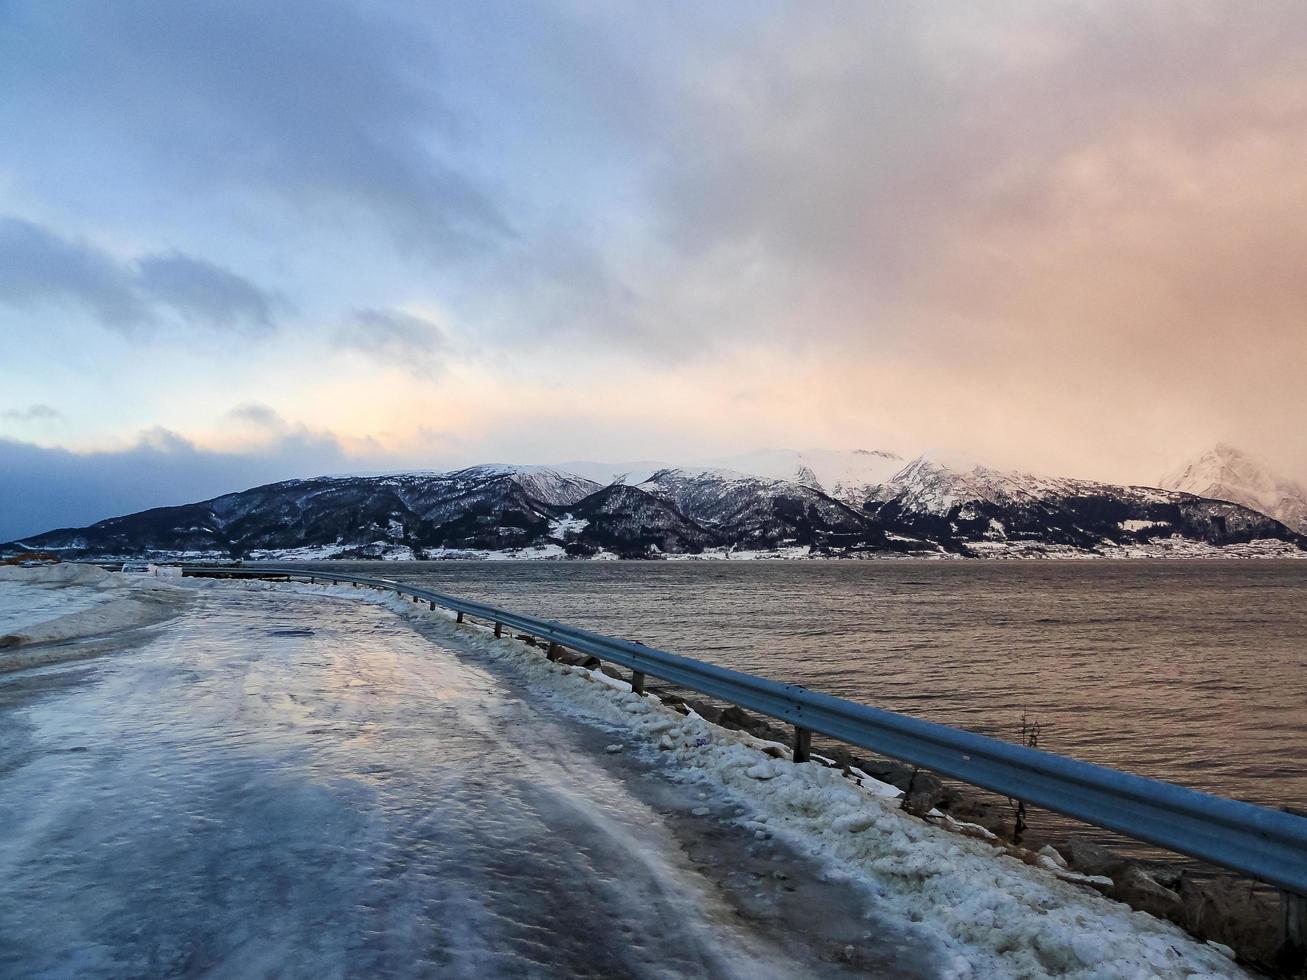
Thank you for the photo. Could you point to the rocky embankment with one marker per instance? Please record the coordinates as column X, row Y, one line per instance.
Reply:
column 1215, row 907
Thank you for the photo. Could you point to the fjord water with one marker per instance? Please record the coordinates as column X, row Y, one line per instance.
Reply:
column 1192, row 672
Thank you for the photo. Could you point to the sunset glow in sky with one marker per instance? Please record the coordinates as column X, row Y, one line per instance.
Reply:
column 243, row 241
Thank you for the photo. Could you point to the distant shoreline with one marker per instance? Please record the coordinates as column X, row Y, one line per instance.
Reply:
column 1228, row 553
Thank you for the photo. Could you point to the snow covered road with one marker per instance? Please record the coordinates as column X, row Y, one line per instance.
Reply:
column 280, row 786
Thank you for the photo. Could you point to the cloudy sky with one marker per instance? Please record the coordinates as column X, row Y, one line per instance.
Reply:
column 242, row 241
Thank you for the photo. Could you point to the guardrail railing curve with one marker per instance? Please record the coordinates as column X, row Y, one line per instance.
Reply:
column 1261, row 843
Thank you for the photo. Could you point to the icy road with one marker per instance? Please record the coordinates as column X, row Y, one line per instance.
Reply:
column 274, row 786
column 279, row 783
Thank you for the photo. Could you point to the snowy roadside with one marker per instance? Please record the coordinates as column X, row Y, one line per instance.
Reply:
column 994, row 914
column 46, row 606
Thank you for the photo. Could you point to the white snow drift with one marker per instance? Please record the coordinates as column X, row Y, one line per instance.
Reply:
column 50, row 604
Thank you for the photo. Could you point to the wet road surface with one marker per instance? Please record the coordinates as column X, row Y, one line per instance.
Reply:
column 275, row 785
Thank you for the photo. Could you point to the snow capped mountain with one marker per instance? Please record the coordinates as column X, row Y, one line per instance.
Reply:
column 542, row 483
column 482, row 507
column 631, row 473
column 1227, row 473
column 626, row 521
column 848, row 476
column 931, row 487
column 982, row 510
column 757, row 513
column 828, row 504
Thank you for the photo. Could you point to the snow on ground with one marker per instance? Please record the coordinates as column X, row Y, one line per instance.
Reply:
column 52, row 604
column 567, row 524
column 996, row 916
column 992, row 548
column 26, row 600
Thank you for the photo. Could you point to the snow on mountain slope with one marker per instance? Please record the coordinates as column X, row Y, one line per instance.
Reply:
column 1227, row 473
column 543, row 483
column 822, row 508
column 484, row 507
column 631, row 473
column 930, row 487
column 980, row 506
column 755, row 512
column 847, row 475
column 631, row 523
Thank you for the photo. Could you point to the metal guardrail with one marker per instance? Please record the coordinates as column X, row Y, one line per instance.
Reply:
column 1264, row 844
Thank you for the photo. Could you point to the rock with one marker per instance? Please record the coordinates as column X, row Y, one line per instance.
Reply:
column 707, row 712
column 611, row 671
column 922, row 793
column 1094, row 859
column 614, row 748
column 1229, row 911
column 1051, row 852
column 737, row 719
column 1167, row 877
column 895, row 773
column 1136, row 888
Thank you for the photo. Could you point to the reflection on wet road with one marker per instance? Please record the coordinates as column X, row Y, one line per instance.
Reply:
column 292, row 787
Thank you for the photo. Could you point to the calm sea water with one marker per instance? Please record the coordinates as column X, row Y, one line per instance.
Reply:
column 1190, row 672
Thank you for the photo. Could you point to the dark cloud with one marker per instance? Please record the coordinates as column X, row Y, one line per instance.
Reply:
column 39, row 267
column 395, row 339
column 978, row 224
column 335, row 113
column 44, row 488
column 258, row 414
column 34, row 413
column 203, row 292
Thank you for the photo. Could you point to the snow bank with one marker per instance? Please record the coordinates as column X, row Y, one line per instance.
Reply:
column 995, row 915
column 55, row 576
column 49, row 604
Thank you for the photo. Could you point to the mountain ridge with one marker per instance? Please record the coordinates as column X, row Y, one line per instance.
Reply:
column 923, row 508
column 1225, row 472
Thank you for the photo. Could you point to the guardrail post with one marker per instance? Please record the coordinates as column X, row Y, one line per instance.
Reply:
column 457, row 619
column 313, row 580
column 802, row 744
column 334, row 582
column 499, row 630
column 637, row 681
column 551, row 652
column 433, row 605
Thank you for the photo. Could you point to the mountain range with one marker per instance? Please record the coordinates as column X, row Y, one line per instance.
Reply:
column 776, row 503
column 1227, row 473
